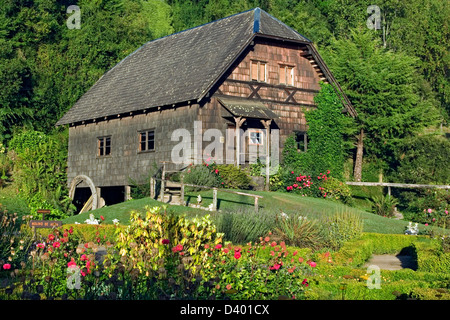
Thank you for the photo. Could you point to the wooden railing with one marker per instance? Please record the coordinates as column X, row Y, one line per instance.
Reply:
column 163, row 180
column 390, row 185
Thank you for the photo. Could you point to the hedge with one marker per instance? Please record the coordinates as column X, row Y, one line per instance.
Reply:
column 356, row 252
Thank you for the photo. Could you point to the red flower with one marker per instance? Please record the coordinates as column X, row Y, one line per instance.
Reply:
column 237, row 255
column 83, row 257
column 71, row 230
column 228, row 286
column 305, row 282
column 56, row 245
column 51, row 237
column 273, row 244
column 217, row 171
column 6, row 266
column 226, row 250
column 313, row 264
column 40, row 245
column 218, row 246
column 103, row 218
column 86, row 245
column 165, row 241
column 177, row 248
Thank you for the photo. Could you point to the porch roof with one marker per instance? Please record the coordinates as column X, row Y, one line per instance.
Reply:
column 247, row 108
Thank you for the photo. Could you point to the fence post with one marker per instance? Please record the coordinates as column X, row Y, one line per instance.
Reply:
column 163, row 182
column 152, row 187
column 182, row 191
column 256, row 204
column 214, row 199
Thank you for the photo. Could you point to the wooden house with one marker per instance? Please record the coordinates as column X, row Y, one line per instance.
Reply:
column 248, row 71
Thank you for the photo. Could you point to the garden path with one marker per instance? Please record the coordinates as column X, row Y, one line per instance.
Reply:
column 392, row 262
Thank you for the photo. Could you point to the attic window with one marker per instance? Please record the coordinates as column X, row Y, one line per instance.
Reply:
column 258, row 71
column 147, row 140
column 287, row 75
column 103, row 146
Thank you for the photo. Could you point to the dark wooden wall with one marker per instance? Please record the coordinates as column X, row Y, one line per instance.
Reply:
column 125, row 161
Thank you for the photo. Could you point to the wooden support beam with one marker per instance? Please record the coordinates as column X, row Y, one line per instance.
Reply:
column 239, row 121
column 266, row 124
column 214, row 207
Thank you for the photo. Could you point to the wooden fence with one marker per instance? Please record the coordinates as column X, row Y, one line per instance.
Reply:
column 390, row 185
column 163, row 180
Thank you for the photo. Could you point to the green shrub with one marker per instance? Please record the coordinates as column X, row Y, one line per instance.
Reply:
column 336, row 190
column 14, row 240
column 234, row 177
column 299, row 231
column 243, row 226
column 340, row 228
column 384, row 205
column 39, row 173
column 431, row 257
column 201, row 175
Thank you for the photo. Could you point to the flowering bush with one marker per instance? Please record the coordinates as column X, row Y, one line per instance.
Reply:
column 322, row 185
column 436, row 217
column 246, row 273
column 158, row 256
column 14, row 241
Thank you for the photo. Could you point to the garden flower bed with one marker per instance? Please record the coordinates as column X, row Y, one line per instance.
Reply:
column 165, row 256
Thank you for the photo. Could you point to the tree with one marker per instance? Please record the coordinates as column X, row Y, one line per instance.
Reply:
column 383, row 87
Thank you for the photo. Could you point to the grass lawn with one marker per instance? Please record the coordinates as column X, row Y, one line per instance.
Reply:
column 272, row 201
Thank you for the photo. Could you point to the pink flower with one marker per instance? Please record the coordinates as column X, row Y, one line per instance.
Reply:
column 228, row 286
column 237, row 255
column 305, row 282
column 313, row 264
column 426, row 224
column 217, row 171
column 51, row 237
column 429, row 210
column 71, row 263
column 276, row 266
column 446, row 212
column 41, row 245
column 6, row 266
column 218, row 246
column 56, row 245
column 226, row 250
column 83, row 257
column 328, row 171
column 292, row 172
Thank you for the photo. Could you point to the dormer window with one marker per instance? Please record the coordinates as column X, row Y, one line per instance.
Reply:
column 258, row 71
column 287, row 75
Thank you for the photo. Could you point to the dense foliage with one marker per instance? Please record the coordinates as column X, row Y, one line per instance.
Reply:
column 396, row 77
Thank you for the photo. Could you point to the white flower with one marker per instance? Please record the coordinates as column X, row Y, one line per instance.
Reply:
column 91, row 220
column 115, row 221
column 284, row 215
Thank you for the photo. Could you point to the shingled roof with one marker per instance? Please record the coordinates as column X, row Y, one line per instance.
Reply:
column 177, row 68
